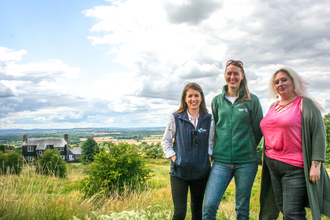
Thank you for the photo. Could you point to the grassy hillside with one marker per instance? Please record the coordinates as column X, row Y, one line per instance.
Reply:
column 31, row 196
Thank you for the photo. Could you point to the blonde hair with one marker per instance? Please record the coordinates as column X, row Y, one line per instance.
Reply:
column 299, row 84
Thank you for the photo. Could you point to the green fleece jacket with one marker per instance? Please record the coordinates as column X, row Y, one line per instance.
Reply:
column 314, row 146
column 237, row 128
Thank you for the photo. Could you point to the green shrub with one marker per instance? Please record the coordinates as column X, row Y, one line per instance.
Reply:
column 121, row 166
column 11, row 162
column 51, row 163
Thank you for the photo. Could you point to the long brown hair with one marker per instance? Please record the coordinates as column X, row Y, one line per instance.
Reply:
column 183, row 105
column 243, row 85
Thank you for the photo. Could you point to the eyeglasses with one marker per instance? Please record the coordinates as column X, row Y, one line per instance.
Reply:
column 235, row 61
column 195, row 138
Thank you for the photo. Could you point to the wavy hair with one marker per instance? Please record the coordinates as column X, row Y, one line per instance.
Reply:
column 299, row 84
column 183, row 105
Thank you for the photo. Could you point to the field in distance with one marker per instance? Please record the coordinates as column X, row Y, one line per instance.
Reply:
column 153, row 139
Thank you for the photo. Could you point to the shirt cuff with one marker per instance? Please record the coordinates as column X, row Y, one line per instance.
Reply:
column 170, row 154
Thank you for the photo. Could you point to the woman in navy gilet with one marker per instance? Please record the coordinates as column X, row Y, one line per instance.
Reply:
column 186, row 142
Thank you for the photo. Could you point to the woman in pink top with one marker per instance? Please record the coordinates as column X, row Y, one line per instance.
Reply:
column 293, row 175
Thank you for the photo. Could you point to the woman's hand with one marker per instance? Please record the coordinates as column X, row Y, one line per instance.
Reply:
column 173, row 158
column 315, row 171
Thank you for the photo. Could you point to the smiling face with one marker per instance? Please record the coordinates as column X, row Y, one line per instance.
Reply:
column 283, row 85
column 193, row 99
column 233, row 77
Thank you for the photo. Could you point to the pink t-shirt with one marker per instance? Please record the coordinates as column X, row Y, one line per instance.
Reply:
column 282, row 133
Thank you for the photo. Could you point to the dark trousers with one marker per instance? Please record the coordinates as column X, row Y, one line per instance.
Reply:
column 289, row 187
column 180, row 192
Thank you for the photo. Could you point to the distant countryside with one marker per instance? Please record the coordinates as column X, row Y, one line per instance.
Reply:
column 152, row 139
column 14, row 137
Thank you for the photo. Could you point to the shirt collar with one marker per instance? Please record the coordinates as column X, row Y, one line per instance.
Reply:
column 191, row 117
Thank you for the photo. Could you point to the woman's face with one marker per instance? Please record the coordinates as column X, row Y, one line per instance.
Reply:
column 233, row 76
column 193, row 99
column 283, row 84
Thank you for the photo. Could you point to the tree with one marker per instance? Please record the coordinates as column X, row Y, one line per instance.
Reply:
column 51, row 163
column 152, row 150
column 121, row 166
column 11, row 163
column 2, row 148
column 327, row 128
column 88, row 150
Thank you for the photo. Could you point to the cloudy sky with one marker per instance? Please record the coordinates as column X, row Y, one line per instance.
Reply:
column 117, row 63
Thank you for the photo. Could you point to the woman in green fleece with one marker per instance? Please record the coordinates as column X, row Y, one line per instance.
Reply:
column 237, row 114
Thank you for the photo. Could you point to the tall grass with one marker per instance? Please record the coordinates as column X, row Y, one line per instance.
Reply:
column 33, row 196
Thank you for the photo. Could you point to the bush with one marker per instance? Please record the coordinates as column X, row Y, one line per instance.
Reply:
column 121, row 166
column 327, row 156
column 11, row 162
column 51, row 163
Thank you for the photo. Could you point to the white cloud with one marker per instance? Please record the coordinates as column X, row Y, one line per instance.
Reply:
column 9, row 55
column 47, row 71
column 192, row 12
column 43, row 119
column 129, row 105
column 165, row 44
column 69, row 115
column 6, row 89
column 34, row 86
column 192, row 70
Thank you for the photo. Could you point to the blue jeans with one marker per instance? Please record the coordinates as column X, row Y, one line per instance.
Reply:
column 289, row 187
column 219, row 179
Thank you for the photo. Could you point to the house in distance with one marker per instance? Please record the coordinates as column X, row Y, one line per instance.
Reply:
column 74, row 154
column 33, row 148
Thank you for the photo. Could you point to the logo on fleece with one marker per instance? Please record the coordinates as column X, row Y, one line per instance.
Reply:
column 243, row 110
